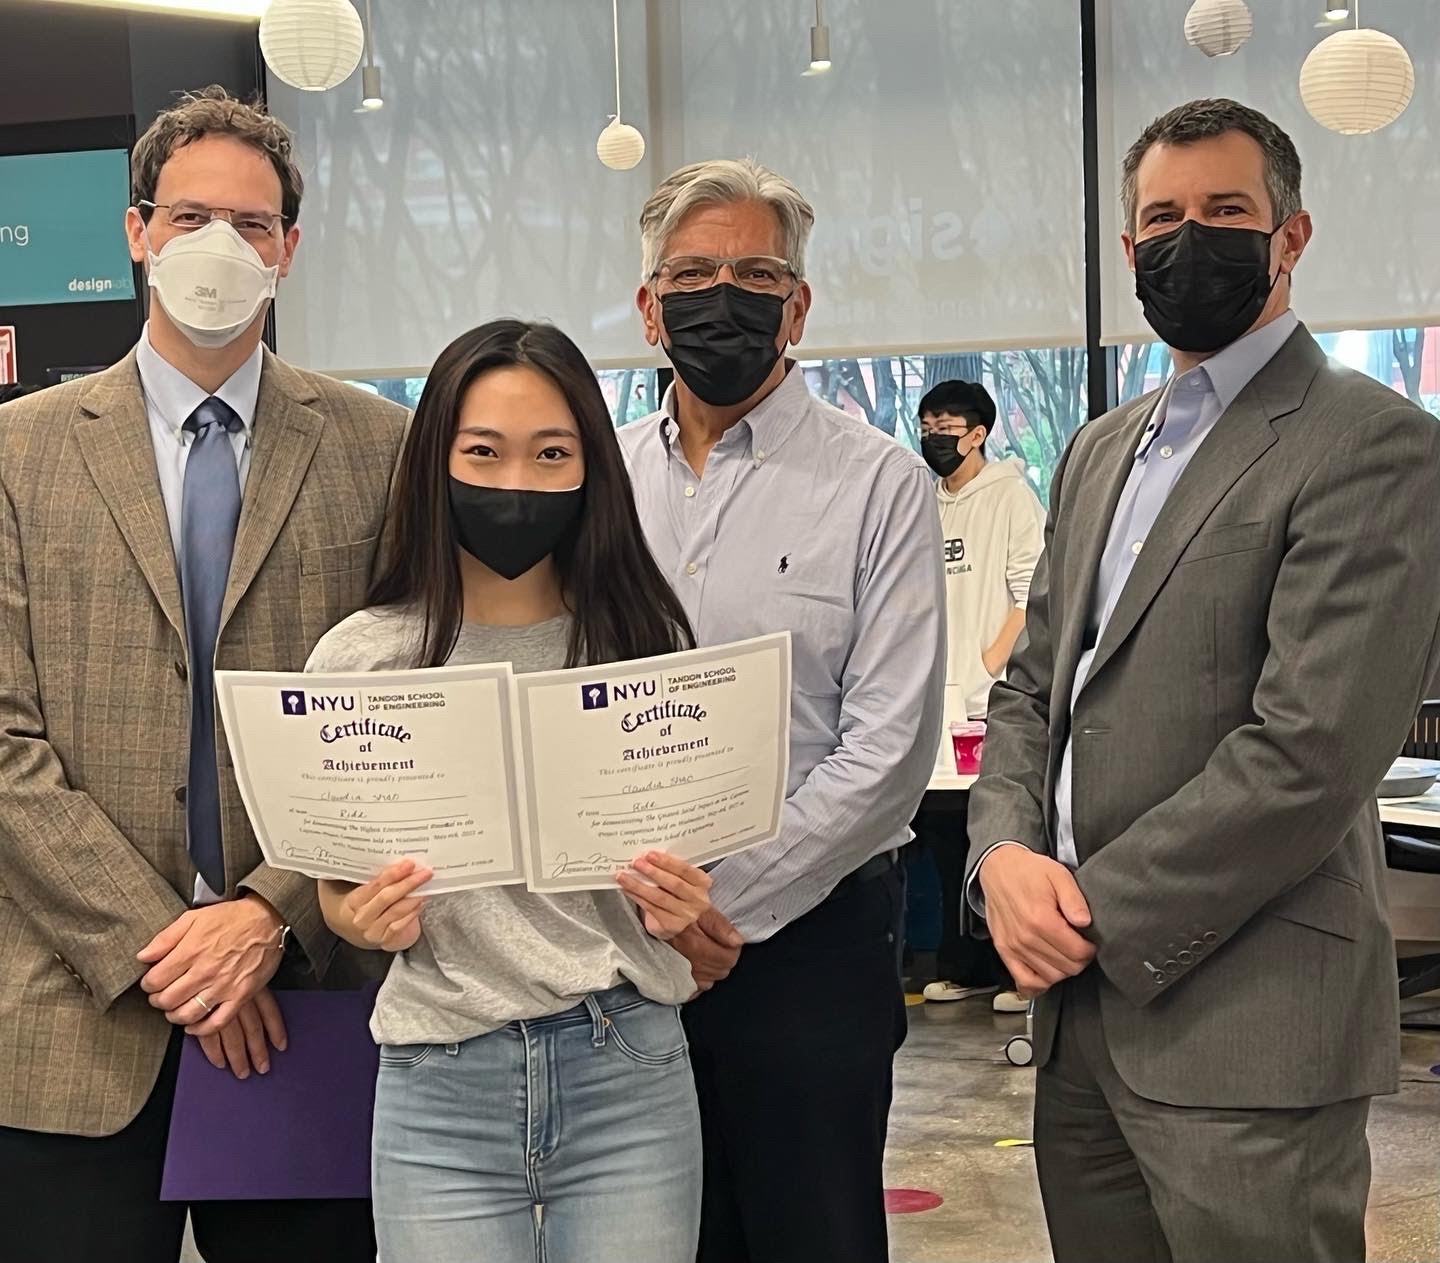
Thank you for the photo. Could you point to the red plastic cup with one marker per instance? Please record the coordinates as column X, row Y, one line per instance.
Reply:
column 969, row 742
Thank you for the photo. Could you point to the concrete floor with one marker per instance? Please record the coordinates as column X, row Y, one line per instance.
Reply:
column 956, row 1096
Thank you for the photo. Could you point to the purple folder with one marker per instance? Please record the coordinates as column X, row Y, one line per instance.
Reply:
column 301, row 1131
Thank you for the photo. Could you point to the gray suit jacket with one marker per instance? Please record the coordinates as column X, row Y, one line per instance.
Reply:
column 94, row 706
column 1260, row 671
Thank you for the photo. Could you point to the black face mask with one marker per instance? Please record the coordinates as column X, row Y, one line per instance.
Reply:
column 1203, row 287
column 722, row 340
column 942, row 453
column 512, row 532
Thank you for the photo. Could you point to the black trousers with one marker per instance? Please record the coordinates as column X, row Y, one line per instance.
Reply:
column 961, row 957
column 77, row 1199
column 793, row 1062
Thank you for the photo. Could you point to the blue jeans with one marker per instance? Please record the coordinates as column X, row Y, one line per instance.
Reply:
column 571, row 1139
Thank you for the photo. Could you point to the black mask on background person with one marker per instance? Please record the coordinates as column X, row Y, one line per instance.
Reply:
column 942, row 453
column 1203, row 287
column 722, row 340
column 512, row 532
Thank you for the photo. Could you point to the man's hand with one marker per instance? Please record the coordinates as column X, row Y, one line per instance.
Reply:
column 712, row 946
column 223, row 954
column 247, row 1041
column 1034, row 910
column 994, row 660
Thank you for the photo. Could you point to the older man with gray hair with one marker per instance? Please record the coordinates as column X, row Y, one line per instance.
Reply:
column 770, row 510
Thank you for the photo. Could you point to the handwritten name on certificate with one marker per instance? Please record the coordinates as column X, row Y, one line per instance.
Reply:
column 343, row 773
column 689, row 753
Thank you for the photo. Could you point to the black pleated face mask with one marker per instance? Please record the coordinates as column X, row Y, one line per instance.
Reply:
column 723, row 340
column 1204, row 287
column 509, row 531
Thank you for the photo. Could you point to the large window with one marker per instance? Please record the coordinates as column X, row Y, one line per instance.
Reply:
column 1039, row 396
column 1406, row 360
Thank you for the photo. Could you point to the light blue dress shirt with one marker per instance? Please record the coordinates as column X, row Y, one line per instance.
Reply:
column 170, row 398
column 1182, row 421
column 808, row 520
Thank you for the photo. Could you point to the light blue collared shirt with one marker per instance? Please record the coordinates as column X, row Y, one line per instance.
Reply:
column 809, row 521
column 170, row 399
column 1182, row 421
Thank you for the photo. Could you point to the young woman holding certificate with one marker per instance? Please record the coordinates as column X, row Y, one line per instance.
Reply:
column 535, row 1099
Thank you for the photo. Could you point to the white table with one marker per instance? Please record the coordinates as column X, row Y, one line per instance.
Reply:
column 1413, row 813
column 1410, row 813
column 949, row 783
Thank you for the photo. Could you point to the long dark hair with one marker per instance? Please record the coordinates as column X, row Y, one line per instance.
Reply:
column 622, row 606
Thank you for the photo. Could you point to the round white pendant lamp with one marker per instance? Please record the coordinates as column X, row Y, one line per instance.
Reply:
column 312, row 45
column 1357, row 81
column 620, row 146
column 1219, row 27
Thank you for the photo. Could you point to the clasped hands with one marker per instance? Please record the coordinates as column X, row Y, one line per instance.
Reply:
column 1035, row 912
column 209, row 972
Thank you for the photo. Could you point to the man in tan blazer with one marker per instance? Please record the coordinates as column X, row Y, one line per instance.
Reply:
column 1228, row 638
column 200, row 505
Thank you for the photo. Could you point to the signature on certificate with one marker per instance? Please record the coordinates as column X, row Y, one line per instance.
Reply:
column 564, row 866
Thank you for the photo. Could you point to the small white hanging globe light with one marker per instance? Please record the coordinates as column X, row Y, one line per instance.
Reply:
column 1219, row 27
column 1357, row 81
column 312, row 45
column 620, row 146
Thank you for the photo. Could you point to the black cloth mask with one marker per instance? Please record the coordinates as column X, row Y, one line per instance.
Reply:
column 942, row 453
column 722, row 340
column 512, row 532
column 1203, row 287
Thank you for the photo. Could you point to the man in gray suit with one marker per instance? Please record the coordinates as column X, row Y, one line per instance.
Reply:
column 1229, row 635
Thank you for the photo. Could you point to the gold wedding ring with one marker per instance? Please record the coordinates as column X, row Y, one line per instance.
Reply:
column 200, row 1000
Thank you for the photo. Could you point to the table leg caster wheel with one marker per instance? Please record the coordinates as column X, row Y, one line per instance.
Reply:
column 1019, row 1051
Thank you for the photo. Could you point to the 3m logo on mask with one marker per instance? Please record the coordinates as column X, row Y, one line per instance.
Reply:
column 205, row 291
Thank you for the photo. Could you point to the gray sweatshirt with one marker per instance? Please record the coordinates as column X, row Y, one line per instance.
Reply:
column 499, row 955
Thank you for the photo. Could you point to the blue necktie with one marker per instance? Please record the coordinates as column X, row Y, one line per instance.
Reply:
column 209, row 514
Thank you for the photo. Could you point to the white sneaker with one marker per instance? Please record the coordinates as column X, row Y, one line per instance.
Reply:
column 945, row 992
column 1011, row 1002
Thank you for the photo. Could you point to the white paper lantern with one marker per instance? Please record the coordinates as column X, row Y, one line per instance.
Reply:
column 312, row 45
column 620, row 147
column 1357, row 81
column 1218, row 27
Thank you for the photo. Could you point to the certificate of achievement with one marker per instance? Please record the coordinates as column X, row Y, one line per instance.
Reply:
column 558, row 779
column 688, row 753
column 344, row 774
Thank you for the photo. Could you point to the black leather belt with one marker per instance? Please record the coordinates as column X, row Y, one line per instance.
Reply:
column 877, row 866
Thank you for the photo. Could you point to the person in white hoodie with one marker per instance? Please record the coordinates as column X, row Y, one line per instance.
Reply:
column 993, row 527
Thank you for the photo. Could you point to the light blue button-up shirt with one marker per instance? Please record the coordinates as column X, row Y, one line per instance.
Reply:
column 1182, row 421
column 809, row 521
column 170, row 399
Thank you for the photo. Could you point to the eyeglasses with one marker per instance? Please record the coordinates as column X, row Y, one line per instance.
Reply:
column 759, row 273
column 946, row 424
column 253, row 225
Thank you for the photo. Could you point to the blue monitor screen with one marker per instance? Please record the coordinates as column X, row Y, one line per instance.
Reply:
column 62, row 228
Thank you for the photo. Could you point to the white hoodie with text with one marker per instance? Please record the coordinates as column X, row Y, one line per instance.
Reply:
column 994, row 530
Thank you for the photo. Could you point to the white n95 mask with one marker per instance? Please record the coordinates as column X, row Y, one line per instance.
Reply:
column 211, row 283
